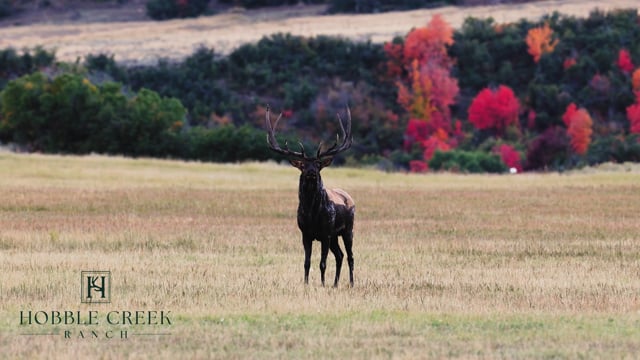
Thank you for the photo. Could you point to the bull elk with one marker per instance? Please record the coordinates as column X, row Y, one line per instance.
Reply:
column 323, row 214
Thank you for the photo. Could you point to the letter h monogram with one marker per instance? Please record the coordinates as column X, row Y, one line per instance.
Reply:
column 96, row 286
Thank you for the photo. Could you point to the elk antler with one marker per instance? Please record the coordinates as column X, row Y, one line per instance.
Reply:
column 273, row 143
column 347, row 139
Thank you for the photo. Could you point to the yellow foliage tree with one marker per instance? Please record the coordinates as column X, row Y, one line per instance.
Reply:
column 417, row 100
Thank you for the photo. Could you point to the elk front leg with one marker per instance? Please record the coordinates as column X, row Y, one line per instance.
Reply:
column 323, row 257
column 308, row 246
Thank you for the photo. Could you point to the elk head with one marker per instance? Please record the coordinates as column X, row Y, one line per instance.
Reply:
column 310, row 166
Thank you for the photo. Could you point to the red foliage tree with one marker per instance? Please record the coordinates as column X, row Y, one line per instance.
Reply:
column 494, row 109
column 416, row 132
column 418, row 166
column 568, row 114
column 633, row 114
column 437, row 141
column 531, row 119
column 624, row 62
column 510, row 156
column 445, row 88
column 457, row 129
column 394, row 63
column 569, row 62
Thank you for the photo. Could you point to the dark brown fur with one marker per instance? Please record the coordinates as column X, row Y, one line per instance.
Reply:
column 323, row 214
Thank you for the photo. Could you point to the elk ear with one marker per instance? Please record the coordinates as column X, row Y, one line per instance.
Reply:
column 325, row 162
column 297, row 163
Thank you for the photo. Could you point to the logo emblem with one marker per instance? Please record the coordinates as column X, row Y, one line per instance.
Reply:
column 96, row 287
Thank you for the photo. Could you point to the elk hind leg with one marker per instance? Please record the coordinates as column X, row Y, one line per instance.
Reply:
column 347, row 237
column 335, row 249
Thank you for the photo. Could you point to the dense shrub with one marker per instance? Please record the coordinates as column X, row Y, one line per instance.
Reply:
column 319, row 77
column 226, row 144
column 198, row 81
column 284, row 58
column 250, row 4
column 347, row 6
column 374, row 6
column 149, row 122
column 53, row 116
column 105, row 64
column 311, row 78
column 6, row 8
column 316, row 77
column 467, row 162
column 488, row 54
column 549, row 150
column 614, row 148
column 171, row 9
column 69, row 114
column 13, row 65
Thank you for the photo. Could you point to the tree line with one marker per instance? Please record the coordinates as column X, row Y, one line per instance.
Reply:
column 556, row 93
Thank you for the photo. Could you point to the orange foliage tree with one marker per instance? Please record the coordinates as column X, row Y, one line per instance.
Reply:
column 579, row 128
column 428, row 44
column 428, row 87
column 635, row 80
column 539, row 41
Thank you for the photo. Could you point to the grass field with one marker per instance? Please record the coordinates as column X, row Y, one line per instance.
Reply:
column 144, row 42
column 525, row 266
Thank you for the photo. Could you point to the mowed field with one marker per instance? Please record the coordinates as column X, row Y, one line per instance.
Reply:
column 446, row 265
column 133, row 39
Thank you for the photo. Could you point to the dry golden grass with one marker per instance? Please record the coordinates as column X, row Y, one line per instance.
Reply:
column 533, row 265
column 146, row 42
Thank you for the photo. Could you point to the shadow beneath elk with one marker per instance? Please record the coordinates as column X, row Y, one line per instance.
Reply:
column 323, row 214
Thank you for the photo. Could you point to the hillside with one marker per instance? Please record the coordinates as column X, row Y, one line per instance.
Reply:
column 132, row 39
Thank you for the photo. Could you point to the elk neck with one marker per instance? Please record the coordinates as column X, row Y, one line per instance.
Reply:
column 312, row 195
